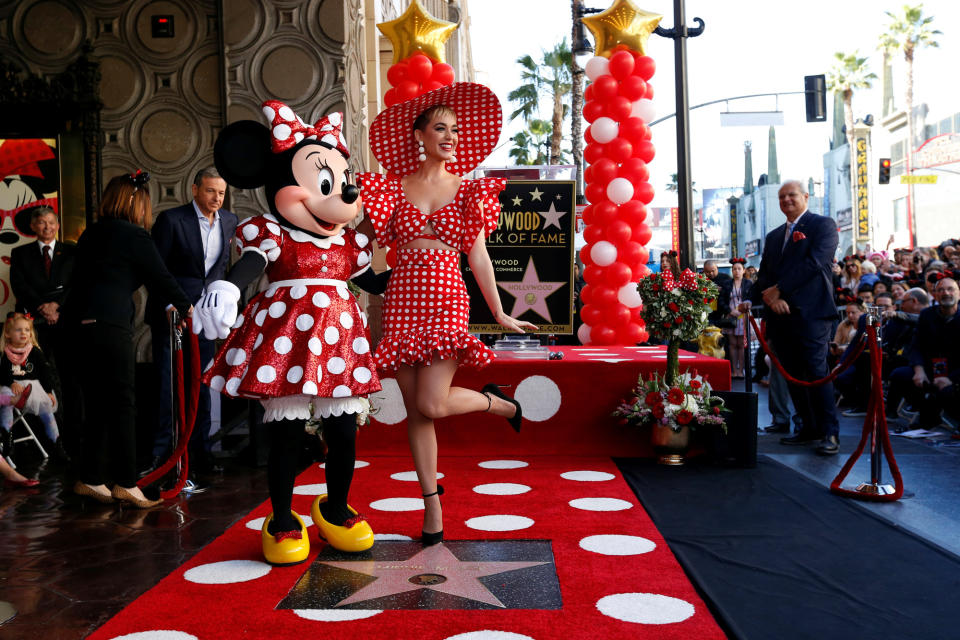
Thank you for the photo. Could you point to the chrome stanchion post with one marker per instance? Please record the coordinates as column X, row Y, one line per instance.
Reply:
column 875, row 486
column 175, row 345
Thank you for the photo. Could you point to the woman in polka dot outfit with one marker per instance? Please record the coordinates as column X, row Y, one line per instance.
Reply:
column 431, row 214
column 301, row 346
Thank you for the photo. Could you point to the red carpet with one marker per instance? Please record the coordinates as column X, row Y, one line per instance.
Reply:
column 625, row 585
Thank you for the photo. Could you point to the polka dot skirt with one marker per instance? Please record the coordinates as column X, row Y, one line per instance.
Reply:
column 426, row 313
column 297, row 336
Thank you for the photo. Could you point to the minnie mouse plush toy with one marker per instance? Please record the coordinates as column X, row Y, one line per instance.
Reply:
column 301, row 346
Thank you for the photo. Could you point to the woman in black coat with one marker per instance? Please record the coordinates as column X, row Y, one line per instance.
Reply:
column 114, row 257
column 735, row 291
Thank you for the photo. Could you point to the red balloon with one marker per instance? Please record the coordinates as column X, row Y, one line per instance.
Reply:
column 631, row 334
column 632, row 88
column 391, row 98
column 430, row 85
column 421, row 67
column 585, row 255
column 648, row 93
column 588, row 137
column 591, row 314
column 605, row 213
column 619, row 315
column 621, row 65
column 604, row 88
column 592, row 234
column 636, row 316
column 632, row 129
column 595, row 192
column 618, row 232
column 645, row 67
column 593, row 152
column 442, row 73
column 588, row 93
column 619, row 149
column 592, row 274
column 643, row 192
column 633, row 212
column 619, row 108
column 604, row 296
column 645, row 151
column 588, row 211
column 635, row 170
column 602, row 334
column 592, row 110
column 586, row 294
column 397, row 73
column 617, row 274
column 604, row 170
column 633, row 254
column 642, row 234
column 588, row 174
column 647, row 134
column 407, row 89
column 642, row 272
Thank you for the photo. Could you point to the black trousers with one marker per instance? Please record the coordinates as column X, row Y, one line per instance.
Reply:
column 105, row 359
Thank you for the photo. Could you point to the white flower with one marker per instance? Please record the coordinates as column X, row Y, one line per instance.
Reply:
column 689, row 403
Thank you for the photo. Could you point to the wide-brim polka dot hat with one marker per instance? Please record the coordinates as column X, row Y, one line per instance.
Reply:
column 479, row 119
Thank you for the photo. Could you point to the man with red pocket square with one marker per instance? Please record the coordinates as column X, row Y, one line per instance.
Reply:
column 795, row 283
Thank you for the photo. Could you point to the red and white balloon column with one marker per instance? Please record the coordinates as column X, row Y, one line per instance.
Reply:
column 618, row 106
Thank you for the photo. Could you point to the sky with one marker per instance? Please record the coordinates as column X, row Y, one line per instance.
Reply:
column 747, row 47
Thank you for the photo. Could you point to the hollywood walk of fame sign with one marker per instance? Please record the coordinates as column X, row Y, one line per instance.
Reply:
column 532, row 252
column 458, row 574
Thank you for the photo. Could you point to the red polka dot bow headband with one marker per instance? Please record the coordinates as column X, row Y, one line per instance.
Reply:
column 287, row 129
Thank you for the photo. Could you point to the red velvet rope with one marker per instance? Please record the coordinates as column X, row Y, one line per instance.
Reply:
column 874, row 428
column 186, row 419
column 848, row 361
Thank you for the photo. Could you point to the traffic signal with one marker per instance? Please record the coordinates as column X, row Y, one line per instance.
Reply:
column 815, row 88
column 884, row 171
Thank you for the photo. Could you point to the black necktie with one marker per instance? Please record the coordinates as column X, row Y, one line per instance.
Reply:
column 47, row 260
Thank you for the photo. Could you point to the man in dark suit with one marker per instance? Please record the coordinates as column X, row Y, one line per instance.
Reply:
column 194, row 242
column 40, row 275
column 795, row 283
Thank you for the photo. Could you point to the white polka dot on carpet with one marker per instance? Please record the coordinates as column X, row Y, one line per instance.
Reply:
column 335, row 615
column 227, row 572
column 158, row 634
column 487, row 634
column 503, row 464
column 645, row 608
column 587, row 476
column 501, row 489
column 539, row 396
column 499, row 522
column 397, row 504
column 390, row 536
column 600, row 504
column 310, row 489
column 617, row 545
column 409, row 476
column 257, row 523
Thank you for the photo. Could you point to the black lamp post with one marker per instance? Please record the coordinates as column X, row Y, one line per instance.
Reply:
column 580, row 46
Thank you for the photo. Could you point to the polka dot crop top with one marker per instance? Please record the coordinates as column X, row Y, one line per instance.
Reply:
column 458, row 223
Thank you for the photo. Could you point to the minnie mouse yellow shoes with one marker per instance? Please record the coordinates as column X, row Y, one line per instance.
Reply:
column 355, row 534
column 287, row 547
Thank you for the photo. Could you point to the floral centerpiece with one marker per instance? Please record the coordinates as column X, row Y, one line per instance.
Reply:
column 674, row 310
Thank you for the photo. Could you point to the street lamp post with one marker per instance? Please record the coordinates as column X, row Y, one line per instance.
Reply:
column 580, row 47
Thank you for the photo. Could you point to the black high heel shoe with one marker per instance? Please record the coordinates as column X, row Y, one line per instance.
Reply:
column 430, row 539
column 494, row 389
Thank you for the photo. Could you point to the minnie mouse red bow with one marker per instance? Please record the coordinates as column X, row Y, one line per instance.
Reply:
column 287, row 129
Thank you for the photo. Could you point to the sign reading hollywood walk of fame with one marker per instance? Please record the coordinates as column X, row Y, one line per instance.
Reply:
column 532, row 253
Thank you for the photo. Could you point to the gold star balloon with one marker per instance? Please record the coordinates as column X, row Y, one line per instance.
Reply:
column 623, row 23
column 416, row 30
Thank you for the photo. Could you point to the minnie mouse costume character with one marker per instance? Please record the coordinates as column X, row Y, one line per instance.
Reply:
column 301, row 346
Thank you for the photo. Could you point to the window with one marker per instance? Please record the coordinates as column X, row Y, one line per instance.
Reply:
column 899, row 214
column 946, row 126
column 896, row 152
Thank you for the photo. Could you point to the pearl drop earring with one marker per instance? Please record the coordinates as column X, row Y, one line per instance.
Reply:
column 422, row 153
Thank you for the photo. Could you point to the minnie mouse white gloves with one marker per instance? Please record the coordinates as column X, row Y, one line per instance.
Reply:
column 216, row 310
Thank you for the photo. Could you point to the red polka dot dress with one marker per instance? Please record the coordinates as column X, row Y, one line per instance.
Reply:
column 427, row 309
column 304, row 335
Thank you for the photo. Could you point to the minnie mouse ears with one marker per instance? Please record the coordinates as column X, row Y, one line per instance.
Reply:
column 241, row 154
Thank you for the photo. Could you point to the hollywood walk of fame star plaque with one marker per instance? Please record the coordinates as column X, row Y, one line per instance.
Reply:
column 532, row 251
column 458, row 574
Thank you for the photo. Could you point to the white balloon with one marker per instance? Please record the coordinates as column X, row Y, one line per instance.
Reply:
column 629, row 296
column 619, row 190
column 583, row 334
column 644, row 109
column 603, row 253
column 604, row 130
column 596, row 67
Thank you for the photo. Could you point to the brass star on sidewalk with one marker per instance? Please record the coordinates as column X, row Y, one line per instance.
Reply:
column 623, row 23
column 434, row 568
column 531, row 293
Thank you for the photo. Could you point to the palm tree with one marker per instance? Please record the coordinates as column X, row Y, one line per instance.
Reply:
column 849, row 73
column 530, row 145
column 910, row 30
column 550, row 78
column 674, row 185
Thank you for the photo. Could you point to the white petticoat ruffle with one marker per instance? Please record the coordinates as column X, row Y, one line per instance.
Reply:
column 298, row 407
